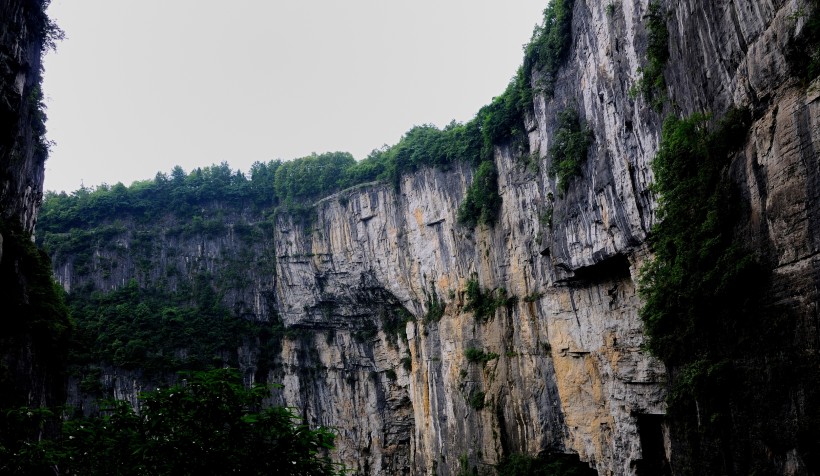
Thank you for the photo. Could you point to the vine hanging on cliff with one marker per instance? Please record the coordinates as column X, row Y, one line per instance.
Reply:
column 652, row 85
column 699, row 278
column 701, row 312
column 569, row 147
column 482, row 202
column 803, row 51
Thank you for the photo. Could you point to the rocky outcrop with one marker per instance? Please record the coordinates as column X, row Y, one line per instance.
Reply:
column 171, row 253
column 570, row 373
column 559, row 365
column 22, row 152
column 32, row 319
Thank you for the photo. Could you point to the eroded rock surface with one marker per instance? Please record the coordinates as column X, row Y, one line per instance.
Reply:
column 564, row 368
column 570, row 374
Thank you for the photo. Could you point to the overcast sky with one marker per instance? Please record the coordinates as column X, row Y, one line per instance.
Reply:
column 139, row 86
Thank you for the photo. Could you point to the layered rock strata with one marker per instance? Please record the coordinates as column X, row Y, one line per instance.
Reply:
column 570, row 373
column 559, row 366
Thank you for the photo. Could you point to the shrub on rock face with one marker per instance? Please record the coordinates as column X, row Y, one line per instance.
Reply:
column 698, row 285
column 484, row 302
column 482, row 202
column 652, row 85
column 477, row 355
column 569, row 148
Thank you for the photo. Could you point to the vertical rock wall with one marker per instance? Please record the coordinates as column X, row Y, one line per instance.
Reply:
column 22, row 156
column 560, row 365
column 570, row 374
column 31, row 320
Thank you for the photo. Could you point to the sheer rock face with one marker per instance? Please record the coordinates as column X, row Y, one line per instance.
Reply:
column 27, row 374
column 168, row 254
column 564, row 368
column 570, row 373
column 21, row 156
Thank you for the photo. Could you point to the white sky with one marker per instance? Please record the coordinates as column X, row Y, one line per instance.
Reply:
column 139, row 86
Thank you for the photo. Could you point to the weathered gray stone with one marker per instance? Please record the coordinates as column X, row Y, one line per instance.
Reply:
column 571, row 374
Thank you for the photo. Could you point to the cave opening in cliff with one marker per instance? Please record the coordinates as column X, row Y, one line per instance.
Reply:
column 654, row 461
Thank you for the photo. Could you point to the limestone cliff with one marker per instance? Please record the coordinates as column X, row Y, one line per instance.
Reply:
column 32, row 317
column 22, row 152
column 570, row 373
column 559, row 365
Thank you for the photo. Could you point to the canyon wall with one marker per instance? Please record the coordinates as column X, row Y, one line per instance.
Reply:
column 32, row 318
column 373, row 282
column 21, row 143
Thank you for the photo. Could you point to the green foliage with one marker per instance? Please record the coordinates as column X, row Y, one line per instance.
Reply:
column 531, row 162
column 475, row 355
column 294, row 185
column 701, row 313
column 533, row 297
column 652, row 85
column 394, row 324
column 476, row 400
column 367, row 332
column 41, row 26
column 813, row 41
column 464, row 467
column 435, row 307
column 421, row 146
column 26, row 441
column 174, row 318
column 503, row 118
column 428, row 146
column 804, row 51
column 181, row 195
column 32, row 296
column 35, row 317
column 611, row 7
column 550, row 44
column 37, row 121
column 482, row 202
column 734, row 363
column 155, row 330
column 484, row 303
column 312, row 177
column 297, row 183
column 91, row 383
column 699, row 284
column 407, row 363
column 545, row 219
column 556, row 464
column 208, row 424
column 569, row 148
column 23, row 123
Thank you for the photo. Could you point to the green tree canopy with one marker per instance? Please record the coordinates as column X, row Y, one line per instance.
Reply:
column 210, row 423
